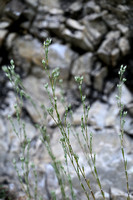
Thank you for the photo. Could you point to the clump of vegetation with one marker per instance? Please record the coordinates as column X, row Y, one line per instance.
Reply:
column 65, row 128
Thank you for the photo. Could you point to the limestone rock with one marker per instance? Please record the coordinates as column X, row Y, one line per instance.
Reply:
column 108, row 52
column 10, row 40
column 28, row 14
column 128, row 127
column 124, row 29
column 61, row 56
column 115, row 55
column 83, row 66
column 78, row 38
column 126, row 97
column 49, row 22
column 109, row 87
column 50, row 3
column 32, row 3
column 77, row 116
column 111, row 116
column 98, row 195
column 97, row 114
column 4, row 24
column 56, row 11
column 111, row 21
column 30, row 51
column 99, row 75
column 129, row 107
column 124, row 46
column 15, row 141
column 91, row 7
column 8, row 106
column 39, row 97
column 14, row 9
column 95, row 29
column 26, row 53
column 75, row 7
column 74, row 24
column 117, row 194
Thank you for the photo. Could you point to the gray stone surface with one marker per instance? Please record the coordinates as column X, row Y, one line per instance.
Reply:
column 108, row 51
column 30, row 51
column 83, row 66
column 124, row 45
column 61, row 56
column 126, row 97
column 99, row 75
column 78, row 38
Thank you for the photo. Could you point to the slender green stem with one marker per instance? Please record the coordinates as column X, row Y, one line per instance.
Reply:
column 122, row 123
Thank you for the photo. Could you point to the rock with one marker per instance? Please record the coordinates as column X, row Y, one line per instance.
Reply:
column 124, row 29
column 2, row 128
column 56, row 11
column 74, row 24
column 91, row 7
column 108, row 52
column 4, row 24
column 129, row 107
column 98, row 195
column 27, row 51
column 3, row 142
column 109, row 87
column 126, row 97
column 55, row 144
column 115, row 55
column 106, row 145
column 49, row 22
column 50, row 4
column 128, row 127
column 111, row 21
column 38, row 72
column 113, row 35
column 34, row 3
column 46, row 178
column 52, row 181
column 9, row 40
column 75, row 7
column 15, row 141
column 3, row 34
column 117, row 194
column 14, row 9
column 95, row 29
column 9, row 103
column 61, row 56
column 124, row 46
column 77, row 116
column 29, row 14
column 39, row 97
column 78, row 38
column 111, row 116
column 99, row 76
column 97, row 114
column 83, row 66
column 31, row 51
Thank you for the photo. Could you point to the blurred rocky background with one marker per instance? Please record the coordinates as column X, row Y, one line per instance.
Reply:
column 90, row 38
